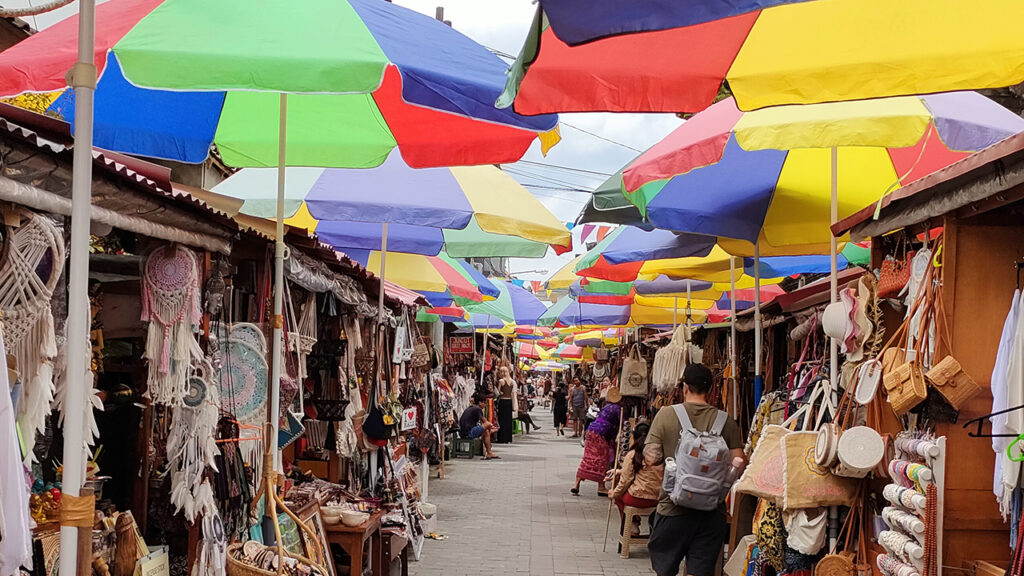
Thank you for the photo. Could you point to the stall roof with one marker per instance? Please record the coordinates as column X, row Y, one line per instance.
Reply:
column 975, row 177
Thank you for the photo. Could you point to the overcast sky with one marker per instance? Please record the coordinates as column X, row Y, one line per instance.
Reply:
column 502, row 25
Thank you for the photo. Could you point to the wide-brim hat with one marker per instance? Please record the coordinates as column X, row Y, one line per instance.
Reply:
column 614, row 396
column 835, row 320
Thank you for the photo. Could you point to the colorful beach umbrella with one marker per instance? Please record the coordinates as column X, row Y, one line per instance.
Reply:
column 365, row 77
column 569, row 312
column 514, row 305
column 430, row 275
column 658, row 56
column 766, row 175
column 628, row 244
column 346, row 207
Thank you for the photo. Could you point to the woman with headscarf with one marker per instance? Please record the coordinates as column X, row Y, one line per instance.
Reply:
column 599, row 449
column 506, row 393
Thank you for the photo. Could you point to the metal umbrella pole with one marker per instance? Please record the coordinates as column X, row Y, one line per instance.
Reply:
column 758, row 379
column 732, row 338
column 78, row 377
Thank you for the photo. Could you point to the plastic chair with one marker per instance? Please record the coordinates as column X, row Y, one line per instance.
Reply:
column 626, row 539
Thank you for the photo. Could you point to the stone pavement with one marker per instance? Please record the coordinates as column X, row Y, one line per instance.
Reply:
column 516, row 515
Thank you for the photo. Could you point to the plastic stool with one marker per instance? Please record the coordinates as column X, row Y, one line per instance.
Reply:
column 625, row 540
column 517, row 427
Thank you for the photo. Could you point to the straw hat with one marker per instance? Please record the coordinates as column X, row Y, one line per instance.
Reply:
column 614, row 396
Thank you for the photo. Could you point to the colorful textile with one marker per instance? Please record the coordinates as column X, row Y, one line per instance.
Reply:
column 366, row 77
column 598, row 454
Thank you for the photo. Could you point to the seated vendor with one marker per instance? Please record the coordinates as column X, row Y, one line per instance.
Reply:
column 472, row 424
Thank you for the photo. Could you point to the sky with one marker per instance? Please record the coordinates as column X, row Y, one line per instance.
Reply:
column 600, row 143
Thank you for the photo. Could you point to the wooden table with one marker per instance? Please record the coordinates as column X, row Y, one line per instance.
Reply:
column 352, row 539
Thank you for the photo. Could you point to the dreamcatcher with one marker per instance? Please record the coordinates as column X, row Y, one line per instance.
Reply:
column 31, row 266
column 170, row 303
column 242, row 385
column 191, row 445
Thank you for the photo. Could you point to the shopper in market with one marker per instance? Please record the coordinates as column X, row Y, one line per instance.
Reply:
column 599, row 449
column 638, row 482
column 679, row 533
column 472, row 424
column 506, row 395
column 525, row 405
column 560, row 408
column 578, row 402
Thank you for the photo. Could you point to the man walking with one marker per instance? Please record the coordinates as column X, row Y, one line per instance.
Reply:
column 578, row 403
column 694, row 534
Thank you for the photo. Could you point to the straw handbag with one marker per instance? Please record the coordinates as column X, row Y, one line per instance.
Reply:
column 947, row 376
column 903, row 378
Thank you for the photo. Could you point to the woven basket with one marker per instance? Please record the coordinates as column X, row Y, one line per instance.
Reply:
column 840, row 564
column 239, row 568
column 955, row 385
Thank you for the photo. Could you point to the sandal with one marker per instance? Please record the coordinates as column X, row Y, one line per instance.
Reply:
column 494, row 457
column 575, row 491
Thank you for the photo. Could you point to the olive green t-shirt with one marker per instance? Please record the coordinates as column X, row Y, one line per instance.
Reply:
column 665, row 430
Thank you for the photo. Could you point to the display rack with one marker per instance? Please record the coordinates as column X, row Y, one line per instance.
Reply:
column 920, row 462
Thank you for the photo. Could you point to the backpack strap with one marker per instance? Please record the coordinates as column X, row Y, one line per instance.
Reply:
column 719, row 424
column 683, row 416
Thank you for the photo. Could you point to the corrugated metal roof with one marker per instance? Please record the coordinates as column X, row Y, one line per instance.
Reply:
column 959, row 169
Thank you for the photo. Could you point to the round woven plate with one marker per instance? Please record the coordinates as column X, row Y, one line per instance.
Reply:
column 250, row 334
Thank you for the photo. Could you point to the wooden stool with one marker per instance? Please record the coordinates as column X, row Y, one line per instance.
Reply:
column 625, row 540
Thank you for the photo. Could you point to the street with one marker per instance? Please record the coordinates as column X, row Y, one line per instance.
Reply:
column 516, row 515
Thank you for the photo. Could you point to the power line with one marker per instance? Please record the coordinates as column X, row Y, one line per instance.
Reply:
column 566, row 168
column 542, row 178
column 598, row 136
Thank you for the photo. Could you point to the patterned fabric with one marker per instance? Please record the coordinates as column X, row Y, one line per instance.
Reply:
column 771, row 534
column 597, row 457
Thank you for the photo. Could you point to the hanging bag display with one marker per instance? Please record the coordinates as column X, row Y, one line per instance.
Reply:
column 902, row 376
column 894, row 273
column 634, row 374
column 670, row 360
column 948, row 376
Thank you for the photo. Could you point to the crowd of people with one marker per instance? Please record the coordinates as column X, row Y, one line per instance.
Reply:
column 681, row 462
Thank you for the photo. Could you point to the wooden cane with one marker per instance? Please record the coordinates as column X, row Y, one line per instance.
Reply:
column 618, row 450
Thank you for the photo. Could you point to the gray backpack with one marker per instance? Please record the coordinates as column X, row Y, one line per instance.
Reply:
column 699, row 479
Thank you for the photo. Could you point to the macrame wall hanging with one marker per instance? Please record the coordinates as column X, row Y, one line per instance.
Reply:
column 170, row 303
column 30, row 267
column 191, row 444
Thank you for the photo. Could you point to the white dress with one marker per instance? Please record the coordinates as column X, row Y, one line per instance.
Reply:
column 1014, row 421
column 999, row 392
column 15, row 522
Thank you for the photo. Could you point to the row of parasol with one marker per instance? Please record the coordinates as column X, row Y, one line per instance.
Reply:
column 340, row 84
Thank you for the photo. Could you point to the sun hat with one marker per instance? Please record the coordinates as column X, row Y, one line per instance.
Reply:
column 835, row 320
column 613, row 395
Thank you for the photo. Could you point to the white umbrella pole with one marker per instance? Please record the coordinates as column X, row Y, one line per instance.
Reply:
column 732, row 337
column 483, row 359
column 757, row 309
column 277, row 336
column 380, row 340
column 78, row 378
column 689, row 316
column 833, row 276
column 675, row 310
column 833, row 352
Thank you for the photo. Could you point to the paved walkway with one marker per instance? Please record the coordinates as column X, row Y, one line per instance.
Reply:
column 516, row 515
